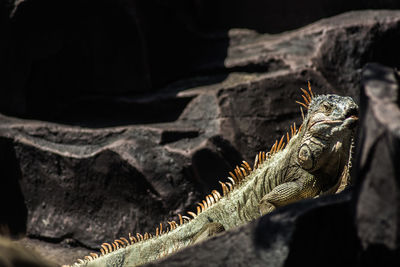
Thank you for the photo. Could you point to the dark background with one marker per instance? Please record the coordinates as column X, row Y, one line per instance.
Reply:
column 60, row 59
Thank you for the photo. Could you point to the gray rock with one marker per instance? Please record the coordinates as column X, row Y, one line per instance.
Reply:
column 14, row 255
column 378, row 202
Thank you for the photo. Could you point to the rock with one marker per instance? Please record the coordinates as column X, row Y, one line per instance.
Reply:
column 371, row 42
column 107, row 180
column 15, row 255
column 114, row 163
column 61, row 253
column 378, row 202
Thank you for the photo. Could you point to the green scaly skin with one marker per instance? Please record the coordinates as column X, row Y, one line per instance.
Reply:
column 313, row 163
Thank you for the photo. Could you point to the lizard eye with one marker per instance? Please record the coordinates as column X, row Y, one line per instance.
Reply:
column 326, row 107
column 305, row 157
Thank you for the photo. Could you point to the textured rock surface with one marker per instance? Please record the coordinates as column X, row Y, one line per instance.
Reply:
column 114, row 162
column 359, row 228
column 378, row 202
column 13, row 254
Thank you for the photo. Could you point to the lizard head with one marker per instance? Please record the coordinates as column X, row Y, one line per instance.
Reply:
column 327, row 134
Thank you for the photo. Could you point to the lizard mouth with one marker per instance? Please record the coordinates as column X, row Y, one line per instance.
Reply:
column 315, row 123
column 347, row 122
column 350, row 122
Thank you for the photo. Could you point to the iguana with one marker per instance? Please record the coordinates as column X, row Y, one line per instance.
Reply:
column 316, row 159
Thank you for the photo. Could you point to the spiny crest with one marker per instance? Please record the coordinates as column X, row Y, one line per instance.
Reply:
column 239, row 174
column 236, row 177
column 307, row 96
column 262, row 156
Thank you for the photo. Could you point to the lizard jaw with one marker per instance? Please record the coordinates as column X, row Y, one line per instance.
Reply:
column 347, row 122
column 350, row 122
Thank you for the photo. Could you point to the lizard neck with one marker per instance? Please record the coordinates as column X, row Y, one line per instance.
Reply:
column 280, row 168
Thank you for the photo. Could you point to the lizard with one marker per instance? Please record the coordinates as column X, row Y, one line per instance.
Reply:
column 311, row 161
